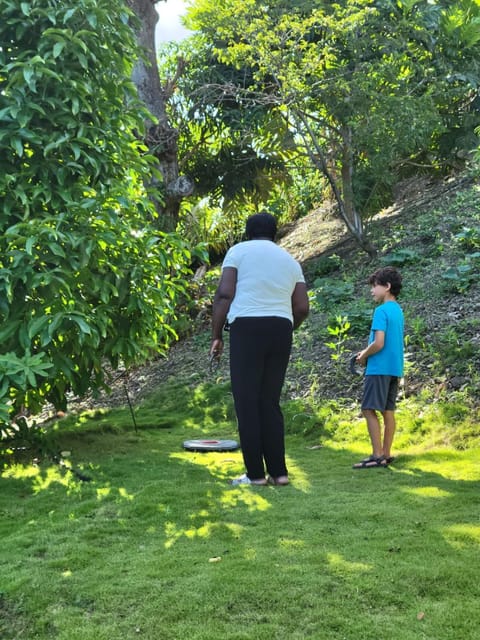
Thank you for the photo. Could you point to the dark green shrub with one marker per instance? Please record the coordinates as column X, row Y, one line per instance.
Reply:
column 400, row 257
column 329, row 293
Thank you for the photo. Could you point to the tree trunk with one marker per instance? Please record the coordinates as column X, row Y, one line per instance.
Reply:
column 161, row 138
column 345, row 205
column 347, row 189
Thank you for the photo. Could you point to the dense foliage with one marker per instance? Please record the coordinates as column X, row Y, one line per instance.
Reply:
column 84, row 277
column 368, row 91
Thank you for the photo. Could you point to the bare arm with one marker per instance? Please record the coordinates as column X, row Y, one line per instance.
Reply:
column 221, row 304
column 300, row 304
column 373, row 347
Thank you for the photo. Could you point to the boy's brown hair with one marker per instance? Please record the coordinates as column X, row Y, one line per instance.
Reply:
column 387, row 275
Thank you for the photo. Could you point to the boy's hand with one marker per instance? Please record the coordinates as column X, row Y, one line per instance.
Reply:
column 362, row 358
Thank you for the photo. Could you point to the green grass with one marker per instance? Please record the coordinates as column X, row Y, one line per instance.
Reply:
column 157, row 545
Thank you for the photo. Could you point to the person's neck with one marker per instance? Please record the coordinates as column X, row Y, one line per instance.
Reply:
column 389, row 298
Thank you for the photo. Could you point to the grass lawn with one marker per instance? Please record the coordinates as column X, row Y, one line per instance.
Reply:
column 158, row 546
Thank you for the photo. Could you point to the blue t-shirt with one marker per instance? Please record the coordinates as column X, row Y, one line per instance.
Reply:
column 388, row 317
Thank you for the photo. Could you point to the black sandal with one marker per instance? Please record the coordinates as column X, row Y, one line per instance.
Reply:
column 370, row 462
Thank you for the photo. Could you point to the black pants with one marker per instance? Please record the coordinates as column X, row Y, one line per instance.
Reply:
column 259, row 354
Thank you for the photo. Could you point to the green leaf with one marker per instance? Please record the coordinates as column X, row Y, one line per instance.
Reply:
column 37, row 325
column 29, row 75
column 29, row 244
column 56, row 249
column 68, row 15
column 75, row 105
column 55, row 322
column 80, row 321
column 8, row 330
column 58, row 47
column 17, row 145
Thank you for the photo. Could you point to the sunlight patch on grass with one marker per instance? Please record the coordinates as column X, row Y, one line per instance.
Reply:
column 250, row 554
column 206, row 530
column 103, row 492
column 53, row 475
column 20, row 471
column 214, row 462
column 298, row 477
column 241, row 496
column 461, row 536
column 124, row 494
column 340, row 566
column 429, row 492
column 291, row 544
column 448, row 463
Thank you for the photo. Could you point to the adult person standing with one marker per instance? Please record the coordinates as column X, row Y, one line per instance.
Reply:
column 263, row 295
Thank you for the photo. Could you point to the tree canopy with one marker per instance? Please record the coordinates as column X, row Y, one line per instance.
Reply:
column 366, row 89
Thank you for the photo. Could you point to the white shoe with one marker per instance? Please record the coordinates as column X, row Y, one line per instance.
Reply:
column 246, row 480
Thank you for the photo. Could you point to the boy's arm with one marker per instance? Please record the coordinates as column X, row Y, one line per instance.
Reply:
column 374, row 347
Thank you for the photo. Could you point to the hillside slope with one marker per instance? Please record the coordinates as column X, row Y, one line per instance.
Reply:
column 432, row 230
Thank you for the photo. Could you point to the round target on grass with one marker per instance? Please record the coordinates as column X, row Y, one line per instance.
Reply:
column 210, row 445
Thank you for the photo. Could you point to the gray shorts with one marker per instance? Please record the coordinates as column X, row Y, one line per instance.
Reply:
column 380, row 393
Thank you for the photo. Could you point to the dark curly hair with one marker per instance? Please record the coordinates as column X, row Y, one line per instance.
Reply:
column 261, row 225
column 387, row 275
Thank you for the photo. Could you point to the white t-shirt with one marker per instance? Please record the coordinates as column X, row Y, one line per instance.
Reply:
column 266, row 278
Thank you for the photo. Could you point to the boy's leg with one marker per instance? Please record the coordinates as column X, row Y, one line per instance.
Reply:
column 374, row 431
column 389, row 431
column 389, row 417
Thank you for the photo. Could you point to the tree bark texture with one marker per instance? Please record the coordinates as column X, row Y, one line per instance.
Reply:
column 161, row 138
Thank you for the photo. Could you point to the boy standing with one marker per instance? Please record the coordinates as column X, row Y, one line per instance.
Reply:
column 384, row 365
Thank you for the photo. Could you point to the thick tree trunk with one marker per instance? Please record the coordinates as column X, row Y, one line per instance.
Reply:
column 161, row 138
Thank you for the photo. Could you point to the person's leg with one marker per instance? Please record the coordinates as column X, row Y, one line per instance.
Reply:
column 278, row 336
column 374, row 431
column 389, row 417
column 374, row 398
column 246, row 370
column 388, row 433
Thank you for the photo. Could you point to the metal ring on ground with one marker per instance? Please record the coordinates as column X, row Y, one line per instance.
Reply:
column 210, row 445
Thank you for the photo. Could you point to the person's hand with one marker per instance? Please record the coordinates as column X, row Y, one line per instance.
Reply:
column 361, row 358
column 216, row 348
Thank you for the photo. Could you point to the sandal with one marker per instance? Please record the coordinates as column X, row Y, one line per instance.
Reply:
column 246, row 480
column 371, row 461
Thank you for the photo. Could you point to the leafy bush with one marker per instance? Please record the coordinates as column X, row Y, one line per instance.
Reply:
column 328, row 293
column 360, row 319
column 327, row 264
column 461, row 277
column 469, row 238
column 400, row 257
